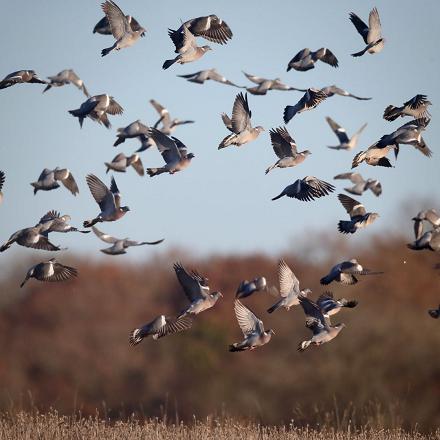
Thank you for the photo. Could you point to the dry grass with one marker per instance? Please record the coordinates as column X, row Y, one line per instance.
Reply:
column 25, row 426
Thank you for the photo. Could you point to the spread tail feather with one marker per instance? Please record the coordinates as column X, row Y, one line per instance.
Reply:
column 303, row 345
column 391, row 113
column 228, row 140
column 168, row 63
column 90, row 223
column 234, row 347
column 135, row 337
column 359, row 158
column 346, row 227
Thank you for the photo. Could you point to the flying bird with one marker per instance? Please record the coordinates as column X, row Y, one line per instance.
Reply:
column 206, row 75
column 360, row 184
column 330, row 306
column 345, row 143
column 346, row 272
column 196, row 290
column 247, row 288
column 119, row 245
column 2, row 182
column 289, row 288
column 239, row 124
column 374, row 156
column 53, row 221
column 430, row 240
column 305, row 59
column 158, row 328
column 371, row 34
column 121, row 162
column 417, row 107
column 335, row 90
column 65, row 77
column 103, row 26
column 264, row 85
column 135, row 130
column 429, row 215
column 168, row 124
column 51, row 271
column 359, row 217
column 49, row 179
column 434, row 313
column 174, row 153
column 311, row 99
column 108, row 199
column 307, row 189
column 20, row 77
column 252, row 327
column 120, row 27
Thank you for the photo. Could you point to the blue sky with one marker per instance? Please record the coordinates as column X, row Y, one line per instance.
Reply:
column 222, row 203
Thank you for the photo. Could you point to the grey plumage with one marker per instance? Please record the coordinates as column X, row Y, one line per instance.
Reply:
column 247, row 288
column 167, row 124
column 65, row 77
column 264, row 85
column 346, row 273
column 345, row 143
column 330, row 306
column 121, row 162
column 417, row 107
column 335, row 90
column 311, row 99
column 373, row 156
column 360, row 184
column 359, row 217
column 20, row 77
column 53, row 221
column 135, row 130
column 307, row 189
column 371, row 34
column 50, row 271
column 430, row 240
column 305, row 59
column 48, row 180
column 429, row 215
column 2, row 182
column 103, row 26
column 207, row 75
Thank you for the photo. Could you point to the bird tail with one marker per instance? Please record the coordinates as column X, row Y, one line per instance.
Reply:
column 119, row 140
column 48, row 87
column 270, row 168
column 276, row 306
column 168, row 63
column 35, row 187
column 78, row 115
column 303, row 345
column 434, row 313
column 135, row 337
column 358, row 159
column 278, row 196
column 391, row 113
column 108, row 168
column 155, row 171
column 228, row 140
column 326, row 280
column 106, row 51
column 360, row 53
column 90, row 223
column 235, row 347
column 346, row 227
column 24, row 281
column 351, row 303
column 289, row 113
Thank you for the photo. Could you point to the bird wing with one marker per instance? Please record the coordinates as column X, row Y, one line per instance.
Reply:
column 217, row 31
column 314, row 318
column 313, row 97
column 227, row 121
column 283, row 144
column 163, row 112
column 352, row 206
column 138, row 166
column 183, row 150
column 119, row 24
column 241, row 115
column 190, row 283
column 300, row 55
column 67, row 180
column 253, row 78
column 102, row 195
column 416, row 102
column 287, row 279
column 321, row 188
column 103, row 236
column 326, row 302
column 300, row 190
column 49, row 216
column 354, row 177
column 338, row 130
column 327, row 56
column 166, row 146
column 188, row 41
column 61, row 273
column 46, row 172
column 374, row 33
column 2, row 179
column 247, row 320
column 174, row 326
column 360, row 26
column 114, row 108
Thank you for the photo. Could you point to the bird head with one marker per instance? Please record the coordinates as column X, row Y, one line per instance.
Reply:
column 306, row 292
column 125, row 209
column 307, row 152
column 271, row 332
column 190, row 156
column 206, row 48
column 259, row 128
column 217, row 295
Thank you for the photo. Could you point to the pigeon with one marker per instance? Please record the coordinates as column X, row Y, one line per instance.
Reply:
column 247, row 288
column 103, row 26
column 120, row 27
column 96, row 108
column 188, row 51
column 119, row 245
column 344, row 142
column 158, row 328
column 263, row 85
column 429, row 240
column 134, row 130
column 330, row 306
column 53, row 221
column 209, row 27
column 345, row 273
column 120, row 163
column 307, row 189
column 373, row 156
column 434, row 313
column 305, row 59
column 323, row 330
column 409, row 134
column 239, row 124
column 285, row 148
column 168, row 124
column 252, row 327
column 359, row 218
column 196, row 290
column 64, row 77
column 109, row 201
column 51, row 271
column 311, row 99
column 174, row 153
column 430, row 216
column 360, row 185
column 371, row 34
column 417, row 107
column 289, row 288
column 205, row 75
column 335, row 90
column 49, row 179
column 20, row 77
column 2, row 182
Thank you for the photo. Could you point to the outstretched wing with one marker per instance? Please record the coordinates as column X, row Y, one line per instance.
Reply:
column 241, row 115
column 119, row 24
column 247, row 320
column 360, row 26
column 103, row 236
column 283, row 144
column 338, row 130
column 352, row 206
column 67, row 180
column 190, row 283
column 287, row 279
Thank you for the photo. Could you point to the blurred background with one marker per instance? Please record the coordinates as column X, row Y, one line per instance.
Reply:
column 66, row 346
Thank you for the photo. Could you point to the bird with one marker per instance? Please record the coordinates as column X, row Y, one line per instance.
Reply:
column 188, row 51
column 158, row 328
column 51, row 271
column 108, row 199
column 48, row 180
column 168, row 124
column 289, row 288
column 408, row 134
column 120, row 27
column 196, row 290
column 330, row 306
column 136, row 130
column 53, row 221
column 120, row 163
column 307, row 189
column 430, row 240
column 311, row 99
column 359, row 217
column 65, row 77
column 345, row 143
column 119, row 245
column 305, row 59
column 372, row 34
column 264, row 85
column 239, row 124
column 417, row 107
column 103, row 26
column 323, row 330
column 434, row 313
column 285, row 148
column 360, row 184
column 429, row 215
column 2, row 182
column 20, row 77
column 252, row 327
column 335, row 90
column 174, row 153
column 373, row 156
column 210, row 27
column 205, row 75
column 247, row 288
column 345, row 273
column 97, row 108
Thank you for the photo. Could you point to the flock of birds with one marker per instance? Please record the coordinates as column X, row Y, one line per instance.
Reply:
column 126, row 30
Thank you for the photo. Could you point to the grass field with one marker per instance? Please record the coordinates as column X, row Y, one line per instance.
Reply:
column 25, row 426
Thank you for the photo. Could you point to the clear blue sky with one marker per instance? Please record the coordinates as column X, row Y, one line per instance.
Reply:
column 222, row 203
